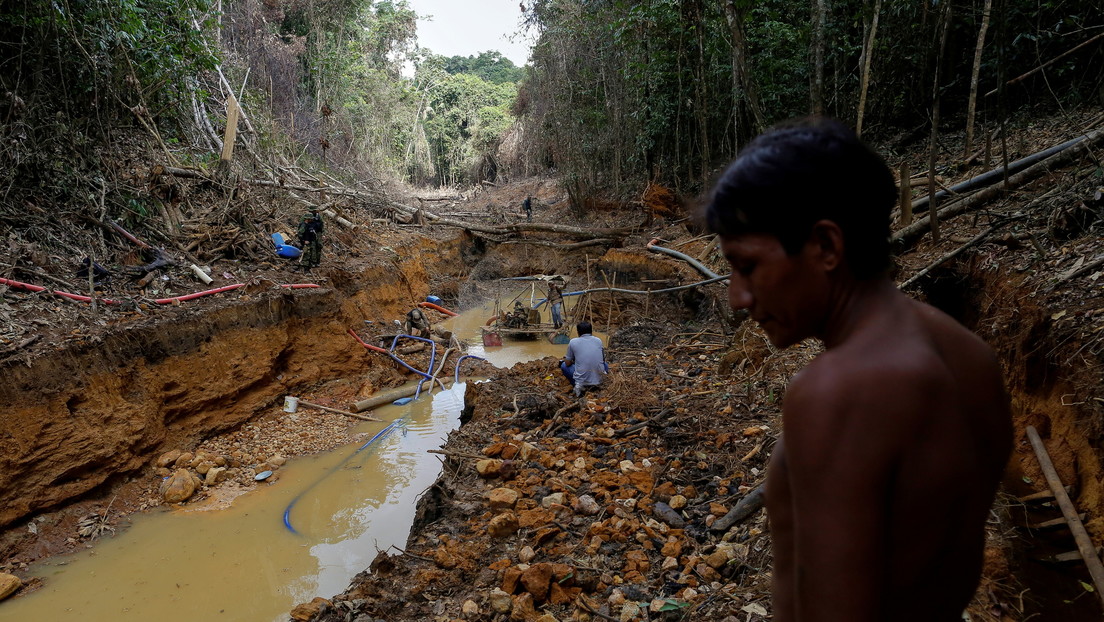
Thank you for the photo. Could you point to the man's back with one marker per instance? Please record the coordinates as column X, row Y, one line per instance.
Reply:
column 587, row 353
column 895, row 441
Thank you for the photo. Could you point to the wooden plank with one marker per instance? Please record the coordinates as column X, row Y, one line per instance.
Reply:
column 1063, row 558
column 1057, row 522
column 232, row 110
column 1042, row 495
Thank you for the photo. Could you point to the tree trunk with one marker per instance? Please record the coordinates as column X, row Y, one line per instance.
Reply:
column 700, row 106
column 867, row 54
column 735, row 13
column 942, row 26
column 816, row 86
column 971, row 107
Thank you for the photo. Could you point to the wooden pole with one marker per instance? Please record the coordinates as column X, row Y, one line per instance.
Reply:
column 906, row 195
column 338, row 411
column 1084, row 542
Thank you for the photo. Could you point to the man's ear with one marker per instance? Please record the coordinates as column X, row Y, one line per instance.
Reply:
column 826, row 238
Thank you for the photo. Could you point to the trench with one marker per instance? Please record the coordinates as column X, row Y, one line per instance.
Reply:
column 305, row 535
column 1044, row 384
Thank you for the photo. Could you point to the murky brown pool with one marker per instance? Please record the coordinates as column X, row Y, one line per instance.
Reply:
column 244, row 562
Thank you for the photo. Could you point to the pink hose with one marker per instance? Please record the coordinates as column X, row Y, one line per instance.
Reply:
column 430, row 305
column 366, row 345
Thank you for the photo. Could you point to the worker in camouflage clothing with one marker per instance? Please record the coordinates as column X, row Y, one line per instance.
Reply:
column 310, row 239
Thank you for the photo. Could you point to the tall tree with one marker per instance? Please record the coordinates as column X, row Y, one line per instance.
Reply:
column 819, row 10
column 736, row 12
column 868, row 53
column 971, row 106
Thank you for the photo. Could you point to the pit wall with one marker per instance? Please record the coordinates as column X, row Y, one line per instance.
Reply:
column 75, row 418
column 1050, row 388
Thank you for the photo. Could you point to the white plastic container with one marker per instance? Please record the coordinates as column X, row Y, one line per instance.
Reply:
column 291, row 403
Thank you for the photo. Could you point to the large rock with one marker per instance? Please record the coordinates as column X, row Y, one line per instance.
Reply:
column 500, row 601
column 470, row 609
column 167, row 458
column 536, row 581
column 586, row 505
column 307, row 611
column 524, row 609
column 180, row 486
column 502, row 499
column 215, row 475
column 503, row 525
column 9, row 583
column 492, row 468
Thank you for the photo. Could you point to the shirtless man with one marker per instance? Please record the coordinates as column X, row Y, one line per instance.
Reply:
column 897, row 435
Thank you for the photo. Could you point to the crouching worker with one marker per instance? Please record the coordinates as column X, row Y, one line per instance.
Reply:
column 904, row 405
column 585, row 361
column 417, row 324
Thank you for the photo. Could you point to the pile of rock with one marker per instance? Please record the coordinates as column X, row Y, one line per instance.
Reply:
column 184, row 473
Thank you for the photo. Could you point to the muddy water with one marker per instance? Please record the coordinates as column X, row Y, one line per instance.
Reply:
column 467, row 326
column 244, row 563
column 258, row 559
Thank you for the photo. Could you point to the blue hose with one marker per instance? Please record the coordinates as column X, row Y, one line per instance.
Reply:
column 456, row 374
column 391, row 427
column 432, row 356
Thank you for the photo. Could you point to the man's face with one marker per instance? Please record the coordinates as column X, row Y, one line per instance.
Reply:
column 784, row 293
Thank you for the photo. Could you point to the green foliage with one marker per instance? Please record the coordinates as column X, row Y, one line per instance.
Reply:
column 666, row 89
column 492, row 66
column 465, row 117
column 87, row 54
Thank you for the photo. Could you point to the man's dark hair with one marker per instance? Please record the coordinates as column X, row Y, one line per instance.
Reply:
column 583, row 328
column 801, row 172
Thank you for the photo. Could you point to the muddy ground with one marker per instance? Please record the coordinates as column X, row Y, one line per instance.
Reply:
column 607, row 508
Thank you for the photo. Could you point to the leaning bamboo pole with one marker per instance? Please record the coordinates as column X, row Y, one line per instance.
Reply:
column 1084, row 542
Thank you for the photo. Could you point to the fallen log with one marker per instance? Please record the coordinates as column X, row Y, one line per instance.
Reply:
column 378, row 201
column 565, row 247
column 972, row 242
column 908, row 236
column 997, row 174
column 588, row 232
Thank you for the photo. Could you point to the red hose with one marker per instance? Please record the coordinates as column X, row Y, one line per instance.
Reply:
column 39, row 288
column 369, row 346
column 226, row 288
column 430, row 305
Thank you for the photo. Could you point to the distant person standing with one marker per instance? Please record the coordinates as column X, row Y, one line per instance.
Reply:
column 585, row 362
column 310, row 238
column 527, row 205
column 555, row 298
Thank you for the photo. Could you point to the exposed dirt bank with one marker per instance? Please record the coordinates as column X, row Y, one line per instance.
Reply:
column 573, row 525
